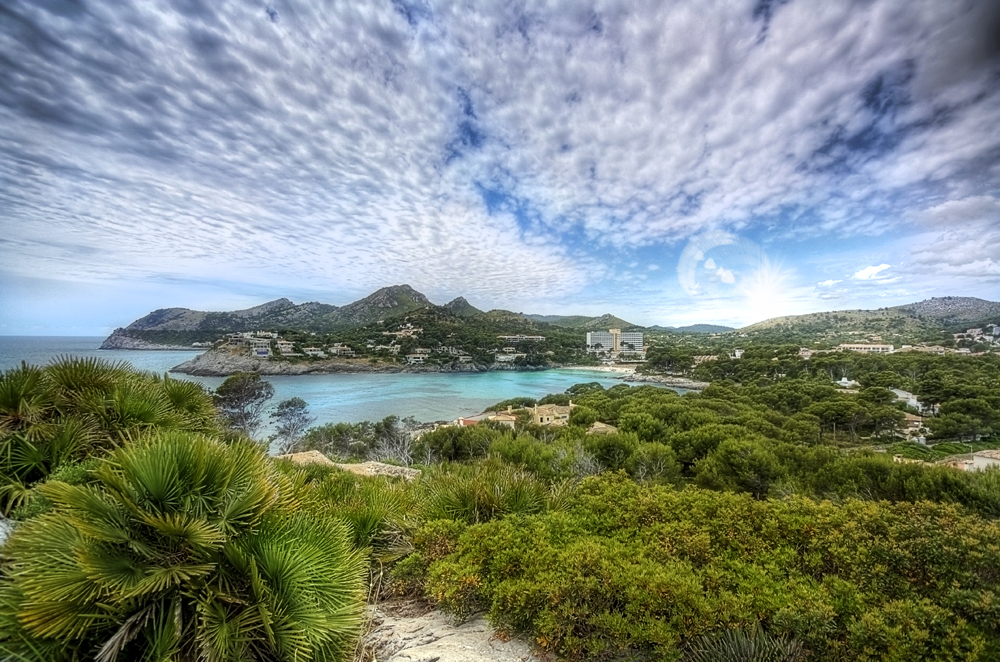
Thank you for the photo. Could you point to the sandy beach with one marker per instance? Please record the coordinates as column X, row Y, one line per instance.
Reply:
column 620, row 369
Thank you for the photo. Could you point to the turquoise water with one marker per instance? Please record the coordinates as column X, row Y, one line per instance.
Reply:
column 340, row 397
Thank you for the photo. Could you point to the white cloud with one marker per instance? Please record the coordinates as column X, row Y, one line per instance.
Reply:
column 349, row 145
column 870, row 272
column 828, row 283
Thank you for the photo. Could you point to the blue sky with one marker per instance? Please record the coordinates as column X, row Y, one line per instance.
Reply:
column 670, row 163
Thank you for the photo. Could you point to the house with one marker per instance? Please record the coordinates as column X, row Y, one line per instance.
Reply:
column 506, row 418
column 285, row 347
column 865, row 348
column 313, row 351
column 259, row 347
column 522, row 338
column 340, row 349
column 551, row 415
column 985, row 459
column 736, row 354
column 464, row 358
column 980, row 461
column 907, row 397
column 415, row 359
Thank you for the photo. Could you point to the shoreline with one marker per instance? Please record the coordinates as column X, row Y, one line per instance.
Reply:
column 223, row 364
column 624, row 370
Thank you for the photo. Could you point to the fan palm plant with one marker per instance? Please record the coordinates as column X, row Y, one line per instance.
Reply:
column 181, row 549
column 75, row 407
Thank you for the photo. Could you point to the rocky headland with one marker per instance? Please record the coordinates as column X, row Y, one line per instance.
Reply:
column 119, row 339
column 222, row 363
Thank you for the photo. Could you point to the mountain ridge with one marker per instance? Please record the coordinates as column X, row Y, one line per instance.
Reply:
column 178, row 328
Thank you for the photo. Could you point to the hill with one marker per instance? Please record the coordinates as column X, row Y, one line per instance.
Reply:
column 179, row 327
column 583, row 322
column 462, row 308
column 924, row 320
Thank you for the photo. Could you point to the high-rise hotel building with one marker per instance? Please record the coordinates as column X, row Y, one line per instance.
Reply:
column 614, row 341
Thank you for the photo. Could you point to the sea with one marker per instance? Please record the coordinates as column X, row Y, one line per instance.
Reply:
column 333, row 398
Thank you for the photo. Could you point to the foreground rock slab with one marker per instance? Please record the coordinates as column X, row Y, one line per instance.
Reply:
column 407, row 632
column 362, row 469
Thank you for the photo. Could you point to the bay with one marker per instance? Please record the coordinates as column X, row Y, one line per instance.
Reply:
column 336, row 397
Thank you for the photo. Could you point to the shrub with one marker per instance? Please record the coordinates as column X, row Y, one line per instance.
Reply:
column 643, row 570
column 181, row 548
column 483, row 492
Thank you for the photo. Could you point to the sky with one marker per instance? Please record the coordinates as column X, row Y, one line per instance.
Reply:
column 720, row 161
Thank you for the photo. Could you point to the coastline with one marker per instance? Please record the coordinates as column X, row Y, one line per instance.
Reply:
column 624, row 370
column 223, row 364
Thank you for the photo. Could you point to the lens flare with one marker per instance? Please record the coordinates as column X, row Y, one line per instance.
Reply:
column 719, row 265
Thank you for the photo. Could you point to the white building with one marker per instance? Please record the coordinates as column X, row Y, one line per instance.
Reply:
column 614, row 342
column 865, row 348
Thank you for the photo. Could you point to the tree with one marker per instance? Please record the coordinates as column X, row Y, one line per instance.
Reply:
column 241, row 400
column 292, row 417
column 742, row 466
column 180, row 548
column 394, row 440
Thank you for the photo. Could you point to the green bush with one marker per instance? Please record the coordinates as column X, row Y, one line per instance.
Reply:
column 180, row 548
column 646, row 570
column 75, row 408
column 483, row 492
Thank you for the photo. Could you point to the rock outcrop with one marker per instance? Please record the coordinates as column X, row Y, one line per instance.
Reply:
column 406, row 631
column 120, row 339
column 361, row 469
column 666, row 380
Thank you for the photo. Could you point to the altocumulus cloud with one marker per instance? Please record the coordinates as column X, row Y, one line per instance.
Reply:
column 504, row 146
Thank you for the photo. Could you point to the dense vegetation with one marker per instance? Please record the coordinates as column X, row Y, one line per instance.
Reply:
column 151, row 532
column 755, row 514
column 473, row 335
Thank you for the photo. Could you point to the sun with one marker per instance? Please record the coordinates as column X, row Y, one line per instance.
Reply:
column 724, row 268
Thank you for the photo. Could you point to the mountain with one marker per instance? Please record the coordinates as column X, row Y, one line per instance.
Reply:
column 179, row 327
column 386, row 302
column 583, row 322
column 925, row 319
column 462, row 308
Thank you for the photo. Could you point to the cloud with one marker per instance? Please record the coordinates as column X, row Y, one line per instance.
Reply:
column 480, row 151
column 869, row 273
column 828, row 283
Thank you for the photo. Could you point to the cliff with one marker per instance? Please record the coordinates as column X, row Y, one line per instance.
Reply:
column 120, row 339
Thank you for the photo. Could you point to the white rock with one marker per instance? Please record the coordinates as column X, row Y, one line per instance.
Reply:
column 434, row 637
